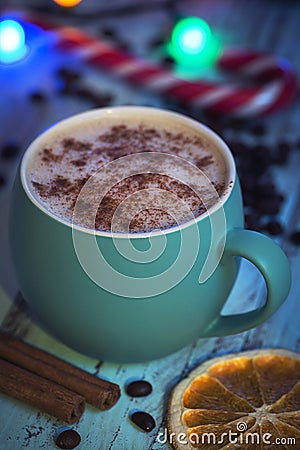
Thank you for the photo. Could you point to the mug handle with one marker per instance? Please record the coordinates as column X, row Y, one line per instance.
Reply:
column 272, row 263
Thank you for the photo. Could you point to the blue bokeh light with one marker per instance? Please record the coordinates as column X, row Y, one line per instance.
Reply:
column 12, row 41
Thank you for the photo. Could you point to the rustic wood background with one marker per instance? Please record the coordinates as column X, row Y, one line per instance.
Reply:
column 269, row 25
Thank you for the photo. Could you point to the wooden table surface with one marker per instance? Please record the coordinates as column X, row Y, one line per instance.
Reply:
column 272, row 26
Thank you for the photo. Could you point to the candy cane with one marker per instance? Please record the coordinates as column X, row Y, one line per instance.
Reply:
column 273, row 80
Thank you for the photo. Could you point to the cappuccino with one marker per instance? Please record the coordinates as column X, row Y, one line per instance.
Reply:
column 169, row 171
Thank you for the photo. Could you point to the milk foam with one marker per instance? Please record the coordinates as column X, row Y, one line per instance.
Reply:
column 66, row 158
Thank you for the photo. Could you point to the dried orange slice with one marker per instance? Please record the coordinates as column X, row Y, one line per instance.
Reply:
column 241, row 401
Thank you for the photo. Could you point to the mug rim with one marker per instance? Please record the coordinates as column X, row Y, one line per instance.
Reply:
column 141, row 110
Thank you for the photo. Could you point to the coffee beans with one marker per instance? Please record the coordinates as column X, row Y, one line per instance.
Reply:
column 261, row 197
column 143, row 420
column 255, row 158
column 68, row 439
column 139, row 388
column 72, row 85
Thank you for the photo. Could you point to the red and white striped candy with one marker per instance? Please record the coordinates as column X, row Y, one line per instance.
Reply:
column 273, row 83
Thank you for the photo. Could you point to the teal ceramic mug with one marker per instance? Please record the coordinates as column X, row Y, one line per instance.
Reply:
column 134, row 297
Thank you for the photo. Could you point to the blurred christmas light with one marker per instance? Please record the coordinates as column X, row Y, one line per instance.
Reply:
column 192, row 43
column 67, row 3
column 12, row 41
column 191, row 35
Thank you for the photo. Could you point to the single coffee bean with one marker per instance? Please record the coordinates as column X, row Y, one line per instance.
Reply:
column 101, row 100
column 257, row 130
column 247, row 163
column 65, row 87
column 2, row 180
column 216, row 127
column 238, row 147
column 265, row 188
column 69, row 75
column 249, row 181
column 295, row 237
column 211, row 117
column 284, row 146
column 273, row 227
column 262, row 152
column 84, row 92
column 157, row 42
column 237, row 124
column 10, row 150
column 260, row 160
column 108, row 32
column 143, row 420
column 281, row 153
column 68, row 439
column 252, row 220
column 124, row 46
column 249, row 199
column 139, row 388
column 270, row 204
column 37, row 97
column 167, row 61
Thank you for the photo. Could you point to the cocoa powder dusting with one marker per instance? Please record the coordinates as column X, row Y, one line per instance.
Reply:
column 72, row 162
column 49, row 156
column 73, row 144
column 155, row 217
column 78, row 162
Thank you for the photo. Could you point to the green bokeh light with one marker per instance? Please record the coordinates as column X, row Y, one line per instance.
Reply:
column 193, row 44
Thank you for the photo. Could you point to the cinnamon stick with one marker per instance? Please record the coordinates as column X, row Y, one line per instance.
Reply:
column 100, row 393
column 43, row 394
